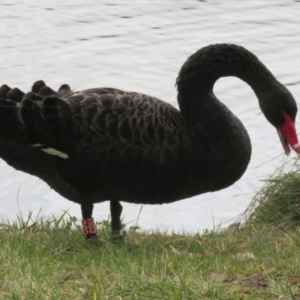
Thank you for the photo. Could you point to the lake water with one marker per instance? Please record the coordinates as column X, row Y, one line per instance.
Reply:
column 140, row 46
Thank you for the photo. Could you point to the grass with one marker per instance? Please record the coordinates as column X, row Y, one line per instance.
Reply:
column 51, row 260
column 278, row 202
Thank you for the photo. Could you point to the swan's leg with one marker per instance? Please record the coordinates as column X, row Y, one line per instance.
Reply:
column 116, row 227
column 88, row 224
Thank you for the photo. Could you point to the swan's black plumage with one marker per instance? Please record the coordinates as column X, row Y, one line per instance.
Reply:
column 107, row 144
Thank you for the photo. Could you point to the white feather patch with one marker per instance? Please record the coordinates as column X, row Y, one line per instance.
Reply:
column 52, row 151
column 36, row 145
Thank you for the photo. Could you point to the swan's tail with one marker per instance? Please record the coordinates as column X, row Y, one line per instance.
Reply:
column 35, row 117
column 19, row 110
column 9, row 100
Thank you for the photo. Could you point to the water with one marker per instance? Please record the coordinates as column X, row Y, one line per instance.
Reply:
column 140, row 46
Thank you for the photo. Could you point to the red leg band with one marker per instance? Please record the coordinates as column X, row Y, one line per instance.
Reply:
column 89, row 226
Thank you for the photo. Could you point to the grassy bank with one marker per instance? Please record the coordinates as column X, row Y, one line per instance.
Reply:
column 49, row 260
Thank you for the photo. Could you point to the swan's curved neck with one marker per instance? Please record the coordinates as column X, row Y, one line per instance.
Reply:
column 200, row 72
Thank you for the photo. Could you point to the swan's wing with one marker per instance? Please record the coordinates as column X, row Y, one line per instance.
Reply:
column 63, row 122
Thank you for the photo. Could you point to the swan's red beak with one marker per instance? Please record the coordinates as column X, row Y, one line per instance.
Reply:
column 288, row 135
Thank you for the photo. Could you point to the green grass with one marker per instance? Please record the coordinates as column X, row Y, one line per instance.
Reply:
column 51, row 260
column 278, row 202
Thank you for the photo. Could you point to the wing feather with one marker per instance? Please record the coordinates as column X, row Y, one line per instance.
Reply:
column 110, row 118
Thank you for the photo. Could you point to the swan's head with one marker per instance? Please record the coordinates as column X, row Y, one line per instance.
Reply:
column 280, row 109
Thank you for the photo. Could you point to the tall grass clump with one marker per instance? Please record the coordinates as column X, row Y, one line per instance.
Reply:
column 278, row 202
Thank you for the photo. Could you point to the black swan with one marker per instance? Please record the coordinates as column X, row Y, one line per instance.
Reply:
column 106, row 144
